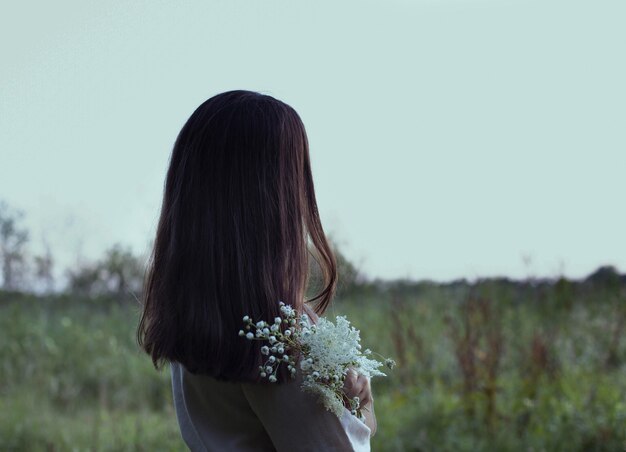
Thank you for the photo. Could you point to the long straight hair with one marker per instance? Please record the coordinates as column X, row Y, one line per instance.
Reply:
column 238, row 224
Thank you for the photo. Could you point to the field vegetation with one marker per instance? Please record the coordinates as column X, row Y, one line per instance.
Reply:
column 492, row 365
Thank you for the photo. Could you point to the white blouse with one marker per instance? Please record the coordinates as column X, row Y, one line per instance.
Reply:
column 215, row 415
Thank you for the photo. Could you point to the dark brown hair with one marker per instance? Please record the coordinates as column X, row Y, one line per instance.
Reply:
column 238, row 223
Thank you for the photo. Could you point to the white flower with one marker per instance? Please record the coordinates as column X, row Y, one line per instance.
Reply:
column 390, row 363
column 327, row 351
column 246, row 318
column 241, row 333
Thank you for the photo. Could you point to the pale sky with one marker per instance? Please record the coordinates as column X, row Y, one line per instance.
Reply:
column 449, row 138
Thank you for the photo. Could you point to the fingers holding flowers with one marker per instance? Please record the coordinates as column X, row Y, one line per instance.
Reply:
column 357, row 385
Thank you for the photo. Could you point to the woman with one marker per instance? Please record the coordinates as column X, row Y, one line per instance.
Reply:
column 238, row 214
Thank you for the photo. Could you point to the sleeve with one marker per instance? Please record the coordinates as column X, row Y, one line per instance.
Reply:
column 296, row 421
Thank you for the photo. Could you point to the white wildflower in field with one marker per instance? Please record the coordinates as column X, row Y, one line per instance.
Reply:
column 326, row 351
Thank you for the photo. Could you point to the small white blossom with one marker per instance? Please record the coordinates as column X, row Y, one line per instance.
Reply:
column 272, row 378
column 390, row 363
column 246, row 318
column 265, row 350
column 241, row 333
column 250, row 336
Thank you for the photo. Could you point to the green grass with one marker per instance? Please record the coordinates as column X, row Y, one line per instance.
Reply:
column 72, row 378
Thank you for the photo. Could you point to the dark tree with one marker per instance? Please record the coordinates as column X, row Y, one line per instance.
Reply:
column 13, row 238
column 119, row 273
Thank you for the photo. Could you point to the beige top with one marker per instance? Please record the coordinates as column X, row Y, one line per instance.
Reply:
column 214, row 415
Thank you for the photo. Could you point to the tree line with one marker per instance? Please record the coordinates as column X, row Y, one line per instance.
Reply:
column 119, row 273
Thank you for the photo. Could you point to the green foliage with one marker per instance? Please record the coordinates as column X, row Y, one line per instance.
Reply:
column 493, row 366
column 72, row 378
column 497, row 366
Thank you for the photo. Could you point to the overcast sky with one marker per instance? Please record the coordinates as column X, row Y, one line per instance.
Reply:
column 449, row 138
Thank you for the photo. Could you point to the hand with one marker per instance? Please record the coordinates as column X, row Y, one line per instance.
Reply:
column 358, row 385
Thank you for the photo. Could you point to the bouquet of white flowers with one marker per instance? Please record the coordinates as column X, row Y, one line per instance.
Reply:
column 326, row 351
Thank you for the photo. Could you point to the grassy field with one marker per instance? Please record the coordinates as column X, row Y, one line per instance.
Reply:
column 492, row 366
